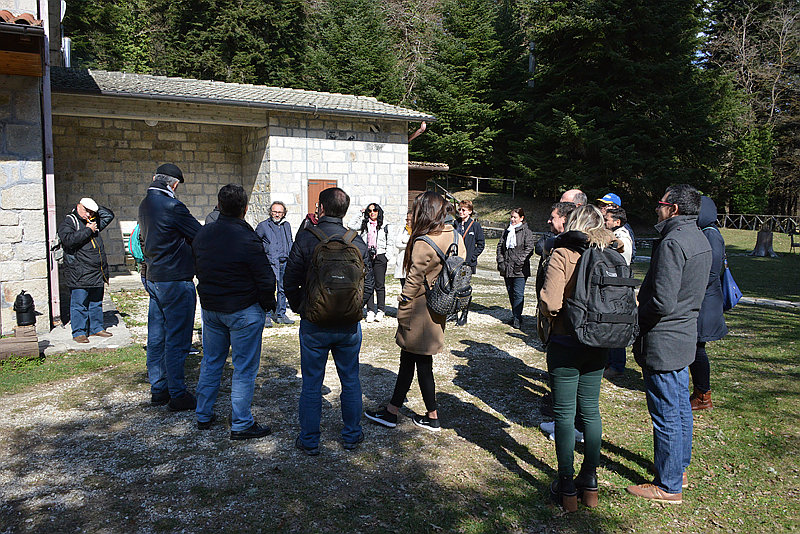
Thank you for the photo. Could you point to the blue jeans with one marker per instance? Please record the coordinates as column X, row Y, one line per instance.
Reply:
column 170, row 319
column 280, row 296
column 345, row 344
column 239, row 331
column 516, row 294
column 671, row 412
column 86, row 311
column 616, row 359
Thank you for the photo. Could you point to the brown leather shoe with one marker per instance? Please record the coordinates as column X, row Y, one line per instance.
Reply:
column 654, row 493
column 102, row 333
column 80, row 339
column 701, row 401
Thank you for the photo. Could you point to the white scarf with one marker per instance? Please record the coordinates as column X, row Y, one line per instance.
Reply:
column 511, row 238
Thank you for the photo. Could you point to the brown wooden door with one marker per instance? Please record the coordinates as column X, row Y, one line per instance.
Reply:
column 315, row 187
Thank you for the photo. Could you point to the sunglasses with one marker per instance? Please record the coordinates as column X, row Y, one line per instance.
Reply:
column 372, row 210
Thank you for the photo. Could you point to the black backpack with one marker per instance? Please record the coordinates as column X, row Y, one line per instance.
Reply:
column 451, row 291
column 335, row 281
column 602, row 312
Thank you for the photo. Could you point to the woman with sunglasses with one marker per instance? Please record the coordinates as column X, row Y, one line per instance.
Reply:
column 376, row 235
column 472, row 232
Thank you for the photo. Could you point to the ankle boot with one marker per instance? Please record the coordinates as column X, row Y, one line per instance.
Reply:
column 562, row 491
column 700, row 400
column 586, row 486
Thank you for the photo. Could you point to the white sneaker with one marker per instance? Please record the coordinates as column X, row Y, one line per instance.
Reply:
column 370, row 316
column 549, row 428
column 378, row 316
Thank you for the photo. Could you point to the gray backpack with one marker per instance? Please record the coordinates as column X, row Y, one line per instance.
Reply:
column 452, row 289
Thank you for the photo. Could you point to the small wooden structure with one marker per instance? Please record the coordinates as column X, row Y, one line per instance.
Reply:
column 24, row 344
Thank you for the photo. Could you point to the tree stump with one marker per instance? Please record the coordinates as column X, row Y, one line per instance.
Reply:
column 763, row 247
column 24, row 344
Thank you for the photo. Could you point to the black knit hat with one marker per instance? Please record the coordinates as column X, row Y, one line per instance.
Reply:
column 170, row 169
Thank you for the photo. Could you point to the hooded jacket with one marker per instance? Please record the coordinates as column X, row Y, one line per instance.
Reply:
column 711, row 322
column 84, row 252
column 671, row 294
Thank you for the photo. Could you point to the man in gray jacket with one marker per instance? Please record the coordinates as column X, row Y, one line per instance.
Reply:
column 669, row 303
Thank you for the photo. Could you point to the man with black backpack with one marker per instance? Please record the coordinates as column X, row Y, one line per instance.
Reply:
column 327, row 276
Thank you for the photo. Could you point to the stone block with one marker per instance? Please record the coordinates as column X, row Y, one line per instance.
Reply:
column 36, row 269
column 31, row 171
column 24, row 140
column 27, row 107
column 10, row 234
column 6, row 251
column 9, row 218
column 12, row 270
column 32, row 223
column 5, row 105
column 90, row 122
column 27, row 251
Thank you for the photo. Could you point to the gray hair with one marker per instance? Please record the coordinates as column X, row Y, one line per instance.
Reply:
column 171, row 180
column 279, row 203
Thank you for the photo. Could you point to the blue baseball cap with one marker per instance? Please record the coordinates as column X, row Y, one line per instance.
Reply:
column 611, row 198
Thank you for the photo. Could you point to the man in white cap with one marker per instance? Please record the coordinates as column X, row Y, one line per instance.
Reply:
column 86, row 267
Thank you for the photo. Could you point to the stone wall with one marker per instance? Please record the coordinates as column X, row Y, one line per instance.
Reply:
column 367, row 158
column 21, row 6
column 255, row 174
column 23, row 245
column 113, row 161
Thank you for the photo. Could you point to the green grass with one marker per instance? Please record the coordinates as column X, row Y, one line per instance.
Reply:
column 20, row 374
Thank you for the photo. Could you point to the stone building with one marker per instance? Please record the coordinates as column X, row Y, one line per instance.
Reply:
column 110, row 131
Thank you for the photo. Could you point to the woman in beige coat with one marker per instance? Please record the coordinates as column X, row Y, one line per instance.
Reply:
column 420, row 332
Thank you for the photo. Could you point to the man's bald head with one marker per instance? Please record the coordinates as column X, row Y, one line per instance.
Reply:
column 576, row 196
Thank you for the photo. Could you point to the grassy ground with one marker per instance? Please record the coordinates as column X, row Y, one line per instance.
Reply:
column 88, row 454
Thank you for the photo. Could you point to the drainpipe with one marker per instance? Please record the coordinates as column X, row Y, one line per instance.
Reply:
column 419, row 132
column 49, row 178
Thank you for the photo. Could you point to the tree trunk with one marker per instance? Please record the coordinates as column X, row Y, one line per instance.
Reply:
column 764, row 245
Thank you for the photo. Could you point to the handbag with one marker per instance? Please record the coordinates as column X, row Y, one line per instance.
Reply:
column 731, row 294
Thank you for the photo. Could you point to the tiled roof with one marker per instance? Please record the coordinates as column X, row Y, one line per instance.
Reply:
column 26, row 19
column 428, row 166
column 120, row 84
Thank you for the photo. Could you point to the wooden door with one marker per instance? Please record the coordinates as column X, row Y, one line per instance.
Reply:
column 315, row 187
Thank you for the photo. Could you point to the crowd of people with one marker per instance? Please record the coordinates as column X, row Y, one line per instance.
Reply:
column 328, row 272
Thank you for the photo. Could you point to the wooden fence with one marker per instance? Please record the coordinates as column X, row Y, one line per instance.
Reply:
column 784, row 224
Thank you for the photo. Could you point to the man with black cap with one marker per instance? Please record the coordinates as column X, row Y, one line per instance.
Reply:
column 167, row 230
column 86, row 267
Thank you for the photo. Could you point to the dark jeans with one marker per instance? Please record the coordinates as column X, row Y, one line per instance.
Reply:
column 516, row 294
column 701, row 369
column 405, row 375
column 616, row 359
column 576, row 374
column 379, row 270
column 280, row 296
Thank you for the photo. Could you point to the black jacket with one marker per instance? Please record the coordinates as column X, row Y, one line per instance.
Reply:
column 711, row 323
column 516, row 262
column 84, row 253
column 167, row 228
column 232, row 271
column 671, row 294
column 299, row 262
column 472, row 232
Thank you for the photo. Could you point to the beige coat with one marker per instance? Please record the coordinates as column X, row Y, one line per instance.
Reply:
column 418, row 330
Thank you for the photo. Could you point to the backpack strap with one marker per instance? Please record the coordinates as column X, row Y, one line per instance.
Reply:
column 349, row 235
column 433, row 245
column 319, row 234
column 453, row 248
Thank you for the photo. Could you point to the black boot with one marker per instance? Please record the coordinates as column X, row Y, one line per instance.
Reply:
column 563, row 492
column 586, row 486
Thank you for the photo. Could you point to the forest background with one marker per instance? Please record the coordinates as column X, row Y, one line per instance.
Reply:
column 627, row 96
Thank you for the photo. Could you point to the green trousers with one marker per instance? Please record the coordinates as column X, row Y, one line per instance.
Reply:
column 575, row 376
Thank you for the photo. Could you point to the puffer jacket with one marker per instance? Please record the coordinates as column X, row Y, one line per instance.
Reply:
column 711, row 322
column 84, row 253
column 516, row 262
column 167, row 229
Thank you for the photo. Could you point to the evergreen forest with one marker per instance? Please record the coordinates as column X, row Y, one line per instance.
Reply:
column 605, row 95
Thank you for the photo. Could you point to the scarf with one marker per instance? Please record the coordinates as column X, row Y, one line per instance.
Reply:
column 511, row 238
column 372, row 234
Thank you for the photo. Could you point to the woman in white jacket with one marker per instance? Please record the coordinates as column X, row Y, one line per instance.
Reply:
column 376, row 235
column 400, row 242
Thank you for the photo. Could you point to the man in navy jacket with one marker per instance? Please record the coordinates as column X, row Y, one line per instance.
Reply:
column 276, row 236
column 167, row 230
column 236, row 288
